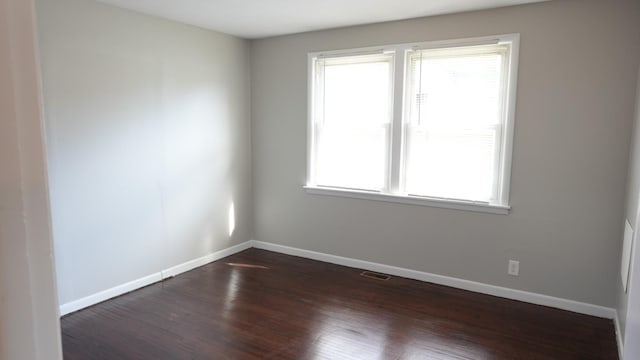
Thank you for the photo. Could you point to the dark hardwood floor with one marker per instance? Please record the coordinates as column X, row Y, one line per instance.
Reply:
column 263, row 305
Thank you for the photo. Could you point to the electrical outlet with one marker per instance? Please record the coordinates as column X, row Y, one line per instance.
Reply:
column 514, row 268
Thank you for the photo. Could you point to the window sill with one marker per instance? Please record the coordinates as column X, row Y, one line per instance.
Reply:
column 411, row 200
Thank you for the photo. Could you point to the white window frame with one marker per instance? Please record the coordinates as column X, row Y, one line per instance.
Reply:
column 392, row 192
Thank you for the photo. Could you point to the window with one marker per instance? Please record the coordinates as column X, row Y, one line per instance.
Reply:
column 426, row 124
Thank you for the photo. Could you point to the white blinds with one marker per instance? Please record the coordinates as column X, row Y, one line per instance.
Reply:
column 455, row 103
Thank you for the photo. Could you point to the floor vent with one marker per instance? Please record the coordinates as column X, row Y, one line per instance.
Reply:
column 376, row 276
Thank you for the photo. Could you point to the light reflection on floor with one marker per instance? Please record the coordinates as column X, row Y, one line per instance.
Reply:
column 231, row 292
column 355, row 335
column 339, row 337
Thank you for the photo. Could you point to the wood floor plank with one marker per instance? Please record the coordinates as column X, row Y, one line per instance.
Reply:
column 263, row 305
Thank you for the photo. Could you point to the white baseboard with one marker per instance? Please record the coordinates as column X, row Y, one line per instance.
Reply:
column 538, row 299
column 616, row 321
column 109, row 293
column 150, row 279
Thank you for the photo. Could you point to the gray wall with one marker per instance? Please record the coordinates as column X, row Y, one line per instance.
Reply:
column 29, row 325
column 148, row 129
column 574, row 114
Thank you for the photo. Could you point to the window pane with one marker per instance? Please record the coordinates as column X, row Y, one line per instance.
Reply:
column 353, row 109
column 457, row 90
column 351, row 157
column 456, row 164
column 357, row 93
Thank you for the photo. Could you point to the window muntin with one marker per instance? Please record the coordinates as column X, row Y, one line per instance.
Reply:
column 450, row 136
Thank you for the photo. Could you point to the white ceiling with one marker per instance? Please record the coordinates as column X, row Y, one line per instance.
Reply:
column 263, row 18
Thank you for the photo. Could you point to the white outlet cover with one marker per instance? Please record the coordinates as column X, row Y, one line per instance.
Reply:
column 514, row 268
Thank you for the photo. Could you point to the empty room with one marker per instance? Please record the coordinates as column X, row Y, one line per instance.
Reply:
column 217, row 179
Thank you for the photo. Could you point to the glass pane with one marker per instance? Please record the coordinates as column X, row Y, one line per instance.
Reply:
column 357, row 94
column 456, row 164
column 351, row 157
